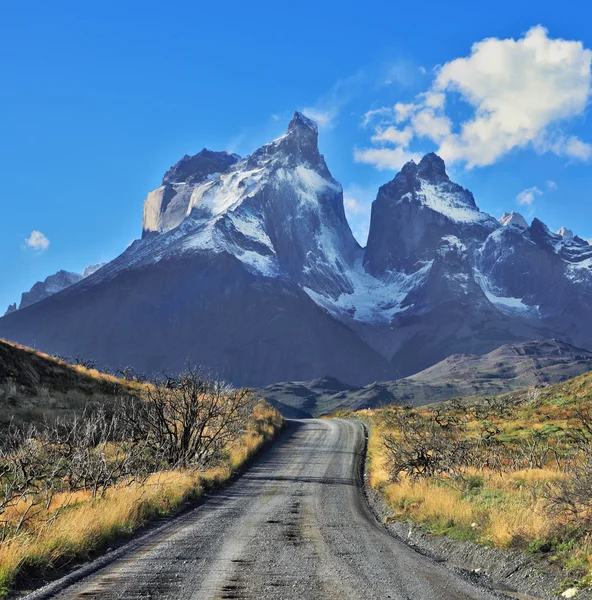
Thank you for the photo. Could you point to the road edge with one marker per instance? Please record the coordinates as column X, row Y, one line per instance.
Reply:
column 511, row 573
column 146, row 533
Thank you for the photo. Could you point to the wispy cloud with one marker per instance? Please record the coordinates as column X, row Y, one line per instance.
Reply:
column 526, row 197
column 327, row 108
column 521, row 94
column 37, row 241
column 325, row 119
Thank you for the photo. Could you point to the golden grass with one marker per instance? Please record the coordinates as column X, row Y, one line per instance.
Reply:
column 429, row 504
column 84, row 525
column 503, row 509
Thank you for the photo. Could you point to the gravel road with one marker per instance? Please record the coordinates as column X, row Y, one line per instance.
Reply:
column 295, row 525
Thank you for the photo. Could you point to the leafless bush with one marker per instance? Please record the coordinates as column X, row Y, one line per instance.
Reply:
column 573, row 497
column 424, row 445
column 188, row 420
column 183, row 421
column 87, row 363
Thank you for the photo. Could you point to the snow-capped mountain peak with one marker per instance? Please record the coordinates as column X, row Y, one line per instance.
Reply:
column 422, row 205
column 566, row 234
column 250, row 264
column 513, row 218
column 278, row 210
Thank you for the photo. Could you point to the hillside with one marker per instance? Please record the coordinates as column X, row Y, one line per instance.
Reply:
column 511, row 472
column 71, row 488
column 509, row 367
column 34, row 386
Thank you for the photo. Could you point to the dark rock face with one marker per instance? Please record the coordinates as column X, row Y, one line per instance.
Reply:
column 249, row 267
column 197, row 168
column 414, row 211
column 11, row 308
column 208, row 309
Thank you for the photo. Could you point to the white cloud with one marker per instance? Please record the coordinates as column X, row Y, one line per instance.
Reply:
column 373, row 114
column 37, row 241
column 394, row 135
column 520, row 93
column 385, row 158
column 551, row 185
column 426, row 123
column 404, row 111
column 526, row 197
column 327, row 107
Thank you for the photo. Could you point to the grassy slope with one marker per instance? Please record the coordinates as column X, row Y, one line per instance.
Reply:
column 33, row 387
column 504, row 509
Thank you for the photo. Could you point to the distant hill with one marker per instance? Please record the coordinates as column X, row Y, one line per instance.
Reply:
column 35, row 386
column 509, row 367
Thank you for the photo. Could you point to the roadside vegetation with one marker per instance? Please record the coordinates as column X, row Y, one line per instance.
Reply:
column 74, row 482
column 512, row 472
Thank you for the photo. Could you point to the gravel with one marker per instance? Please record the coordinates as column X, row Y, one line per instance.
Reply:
column 295, row 525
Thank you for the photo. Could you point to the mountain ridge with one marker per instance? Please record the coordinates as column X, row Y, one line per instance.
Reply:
column 246, row 255
column 507, row 368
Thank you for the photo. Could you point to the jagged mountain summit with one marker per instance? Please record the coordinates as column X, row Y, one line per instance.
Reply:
column 515, row 219
column 249, row 266
column 52, row 285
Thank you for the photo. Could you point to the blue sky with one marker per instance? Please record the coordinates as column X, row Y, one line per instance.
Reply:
column 98, row 100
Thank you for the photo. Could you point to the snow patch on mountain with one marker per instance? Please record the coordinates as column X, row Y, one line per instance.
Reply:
column 373, row 300
column 505, row 304
column 450, row 204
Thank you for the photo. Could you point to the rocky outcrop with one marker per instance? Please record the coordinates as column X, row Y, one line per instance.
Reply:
column 167, row 206
column 52, row 285
column 413, row 212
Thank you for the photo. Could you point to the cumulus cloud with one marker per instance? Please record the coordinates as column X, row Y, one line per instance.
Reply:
column 385, row 158
column 551, row 185
column 394, row 135
column 526, row 197
column 37, row 241
column 520, row 93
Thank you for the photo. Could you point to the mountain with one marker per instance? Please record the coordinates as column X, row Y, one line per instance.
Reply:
column 51, row 285
column 510, row 367
column 248, row 265
column 226, row 287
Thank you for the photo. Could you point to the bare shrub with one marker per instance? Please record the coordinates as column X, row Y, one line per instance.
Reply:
column 189, row 419
column 177, row 422
column 427, row 445
column 572, row 497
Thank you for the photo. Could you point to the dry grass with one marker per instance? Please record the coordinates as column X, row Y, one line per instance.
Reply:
column 507, row 507
column 35, row 387
column 83, row 526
